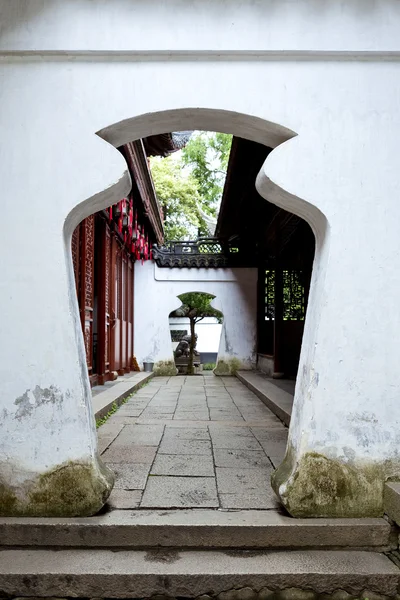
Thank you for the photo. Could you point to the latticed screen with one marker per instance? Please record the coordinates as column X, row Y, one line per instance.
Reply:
column 178, row 334
column 209, row 248
column 269, row 295
column 293, row 295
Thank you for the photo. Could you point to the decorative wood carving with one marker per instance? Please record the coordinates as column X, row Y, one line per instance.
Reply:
column 208, row 253
column 86, row 288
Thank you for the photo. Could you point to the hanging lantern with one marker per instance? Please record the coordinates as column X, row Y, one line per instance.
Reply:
column 118, row 209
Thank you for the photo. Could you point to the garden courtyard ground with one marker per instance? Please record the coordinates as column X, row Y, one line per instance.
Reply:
column 193, row 442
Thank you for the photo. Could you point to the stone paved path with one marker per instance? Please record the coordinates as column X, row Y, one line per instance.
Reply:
column 193, row 442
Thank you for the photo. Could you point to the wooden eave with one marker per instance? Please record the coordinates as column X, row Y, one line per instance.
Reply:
column 261, row 228
column 136, row 158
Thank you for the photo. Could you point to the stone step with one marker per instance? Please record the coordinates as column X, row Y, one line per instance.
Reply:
column 392, row 501
column 191, row 573
column 117, row 391
column 195, row 528
column 278, row 400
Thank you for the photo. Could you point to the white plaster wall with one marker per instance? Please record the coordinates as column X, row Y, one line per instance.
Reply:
column 156, row 296
column 327, row 71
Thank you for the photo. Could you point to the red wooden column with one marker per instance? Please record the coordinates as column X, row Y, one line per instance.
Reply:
column 124, row 315
column 86, row 288
column 114, row 321
column 107, row 300
column 133, row 313
column 130, row 315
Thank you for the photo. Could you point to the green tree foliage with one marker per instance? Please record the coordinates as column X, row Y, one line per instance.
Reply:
column 196, row 306
column 191, row 179
column 207, row 154
column 178, row 194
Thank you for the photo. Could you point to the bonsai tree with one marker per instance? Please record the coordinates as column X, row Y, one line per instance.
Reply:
column 196, row 306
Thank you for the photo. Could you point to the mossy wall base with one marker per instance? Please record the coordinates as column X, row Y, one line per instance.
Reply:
column 318, row 486
column 227, row 367
column 74, row 489
column 165, row 368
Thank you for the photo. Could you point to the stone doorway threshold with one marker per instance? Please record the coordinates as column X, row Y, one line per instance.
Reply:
column 192, row 511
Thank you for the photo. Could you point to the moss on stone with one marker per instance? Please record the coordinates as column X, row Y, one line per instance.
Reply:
column 70, row 490
column 8, row 500
column 222, row 368
column 323, row 487
column 165, row 368
column 229, row 367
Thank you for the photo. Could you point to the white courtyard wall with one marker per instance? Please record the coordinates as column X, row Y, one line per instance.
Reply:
column 208, row 332
column 156, row 296
column 327, row 72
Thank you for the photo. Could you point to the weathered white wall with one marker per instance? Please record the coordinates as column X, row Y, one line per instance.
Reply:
column 156, row 296
column 329, row 72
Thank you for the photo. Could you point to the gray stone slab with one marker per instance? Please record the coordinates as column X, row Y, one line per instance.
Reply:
column 186, row 433
column 121, row 389
column 276, row 460
column 124, row 499
column 249, row 500
column 241, row 459
column 245, row 488
column 103, row 443
column 392, row 501
column 180, row 492
column 236, row 429
column 158, row 416
column 130, row 454
column 231, row 481
column 109, row 429
column 220, row 416
column 130, row 476
column 184, row 424
column 181, row 446
column 164, row 408
column 184, row 465
column 106, row 434
column 274, row 448
column 191, row 573
column 219, row 404
column 274, row 397
column 140, row 435
column 271, row 435
column 167, row 405
column 191, row 417
column 128, row 412
column 188, row 527
column 123, row 420
column 236, row 442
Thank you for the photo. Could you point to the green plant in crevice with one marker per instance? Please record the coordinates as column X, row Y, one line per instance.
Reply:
column 208, row 366
column 115, row 406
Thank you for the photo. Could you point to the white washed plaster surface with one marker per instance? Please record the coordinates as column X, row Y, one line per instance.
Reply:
column 156, row 296
column 345, row 112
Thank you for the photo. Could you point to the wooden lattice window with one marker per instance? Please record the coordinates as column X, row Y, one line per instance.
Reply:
column 293, row 295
